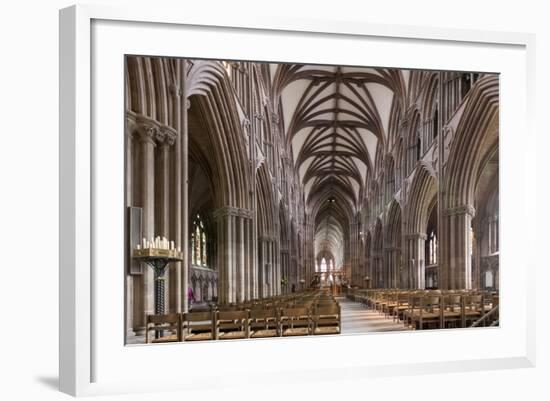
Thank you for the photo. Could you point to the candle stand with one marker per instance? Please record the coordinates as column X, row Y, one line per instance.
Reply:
column 158, row 259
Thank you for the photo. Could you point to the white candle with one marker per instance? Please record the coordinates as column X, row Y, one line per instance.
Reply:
column 138, row 247
column 172, row 245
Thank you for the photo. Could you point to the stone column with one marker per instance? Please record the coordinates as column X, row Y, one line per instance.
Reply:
column 176, row 280
column 388, row 266
column 184, row 185
column 247, row 253
column 284, row 263
column 459, row 245
column 130, row 128
column 353, row 254
column 260, row 268
column 234, row 274
column 393, row 255
column 416, row 250
column 221, row 233
column 165, row 137
column 265, row 268
column 275, row 282
column 144, row 285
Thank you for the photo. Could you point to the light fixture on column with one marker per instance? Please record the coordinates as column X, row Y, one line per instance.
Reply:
column 157, row 253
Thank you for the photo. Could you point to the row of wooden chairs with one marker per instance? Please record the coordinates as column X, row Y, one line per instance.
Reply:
column 305, row 299
column 299, row 316
column 254, row 323
column 421, row 309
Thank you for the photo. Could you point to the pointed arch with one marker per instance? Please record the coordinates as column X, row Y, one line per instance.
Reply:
column 475, row 139
column 422, row 191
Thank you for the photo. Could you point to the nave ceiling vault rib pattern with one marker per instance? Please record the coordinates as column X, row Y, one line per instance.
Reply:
column 337, row 128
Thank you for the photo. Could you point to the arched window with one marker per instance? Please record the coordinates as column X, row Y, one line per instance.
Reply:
column 431, row 238
column 323, row 265
column 432, row 248
column 199, row 243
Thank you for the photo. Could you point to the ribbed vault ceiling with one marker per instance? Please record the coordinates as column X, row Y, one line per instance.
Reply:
column 335, row 118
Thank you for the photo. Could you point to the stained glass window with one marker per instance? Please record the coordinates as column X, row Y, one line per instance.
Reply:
column 198, row 243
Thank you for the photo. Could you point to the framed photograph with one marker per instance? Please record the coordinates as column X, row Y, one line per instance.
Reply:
column 282, row 195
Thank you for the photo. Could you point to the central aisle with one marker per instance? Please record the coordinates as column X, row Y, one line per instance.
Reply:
column 358, row 319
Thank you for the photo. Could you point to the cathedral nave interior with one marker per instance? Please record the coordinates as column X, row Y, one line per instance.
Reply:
column 292, row 199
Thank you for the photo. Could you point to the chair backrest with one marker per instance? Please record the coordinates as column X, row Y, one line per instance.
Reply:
column 232, row 315
column 330, row 310
column 227, row 308
column 295, row 313
column 432, row 301
column 403, row 296
column 170, row 321
column 171, row 318
column 474, row 301
column 452, row 301
column 263, row 313
column 197, row 316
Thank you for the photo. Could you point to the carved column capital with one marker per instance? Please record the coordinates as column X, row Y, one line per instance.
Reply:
column 416, row 236
column 165, row 136
column 461, row 210
column 175, row 90
column 147, row 132
column 233, row 211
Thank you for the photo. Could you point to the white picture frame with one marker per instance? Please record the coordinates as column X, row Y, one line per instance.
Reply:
column 83, row 334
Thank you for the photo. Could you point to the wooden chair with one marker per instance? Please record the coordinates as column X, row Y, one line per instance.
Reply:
column 327, row 319
column 295, row 322
column 473, row 309
column 401, row 305
column 198, row 326
column 425, row 310
column 390, row 304
column 263, row 323
column 231, row 325
column 168, row 325
column 451, row 310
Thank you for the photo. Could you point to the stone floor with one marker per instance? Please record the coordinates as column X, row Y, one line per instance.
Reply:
column 357, row 319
